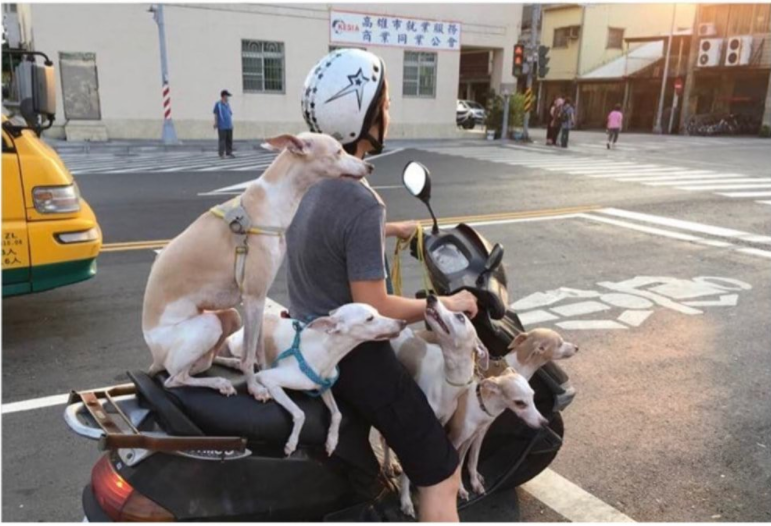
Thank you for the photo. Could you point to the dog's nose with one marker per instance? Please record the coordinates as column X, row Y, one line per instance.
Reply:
column 431, row 300
column 370, row 167
column 576, row 348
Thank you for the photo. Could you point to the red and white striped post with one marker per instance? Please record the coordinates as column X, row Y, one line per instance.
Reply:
column 169, row 133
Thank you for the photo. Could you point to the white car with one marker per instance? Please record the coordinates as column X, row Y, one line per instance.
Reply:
column 476, row 111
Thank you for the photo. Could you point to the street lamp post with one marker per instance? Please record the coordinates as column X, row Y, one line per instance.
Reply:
column 535, row 13
column 658, row 128
column 169, row 135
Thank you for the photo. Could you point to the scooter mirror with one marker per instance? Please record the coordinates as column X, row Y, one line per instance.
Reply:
column 417, row 180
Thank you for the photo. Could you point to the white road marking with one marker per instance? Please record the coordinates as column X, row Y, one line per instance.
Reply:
column 726, row 300
column 727, row 187
column 590, row 325
column 35, row 403
column 536, row 316
column 571, row 501
column 654, row 231
column 676, row 223
column 746, row 194
column 635, row 318
column 674, row 180
column 581, row 308
column 755, row 252
column 764, row 202
column 647, row 171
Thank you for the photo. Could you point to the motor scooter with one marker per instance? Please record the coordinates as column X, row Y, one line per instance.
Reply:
column 191, row 454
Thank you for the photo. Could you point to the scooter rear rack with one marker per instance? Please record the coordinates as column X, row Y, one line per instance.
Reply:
column 101, row 404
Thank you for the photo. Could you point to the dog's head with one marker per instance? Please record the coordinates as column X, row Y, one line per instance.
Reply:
column 456, row 335
column 323, row 156
column 512, row 390
column 359, row 322
column 539, row 346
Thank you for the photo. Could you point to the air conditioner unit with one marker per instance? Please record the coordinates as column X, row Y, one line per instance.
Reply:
column 738, row 50
column 710, row 50
column 574, row 32
column 707, row 29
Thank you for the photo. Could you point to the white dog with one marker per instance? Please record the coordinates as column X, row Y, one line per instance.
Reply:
column 229, row 255
column 321, row 344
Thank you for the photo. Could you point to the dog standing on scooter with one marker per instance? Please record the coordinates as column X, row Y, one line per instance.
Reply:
column 219, row 262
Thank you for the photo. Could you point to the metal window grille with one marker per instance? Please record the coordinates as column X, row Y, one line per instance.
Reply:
column 561, row 37
column 262, row 65
column 419, row 74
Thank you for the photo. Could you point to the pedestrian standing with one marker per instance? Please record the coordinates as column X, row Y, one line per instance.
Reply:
column 567, row 120
column 615, row 121
column 553, row 128
column 223, row 123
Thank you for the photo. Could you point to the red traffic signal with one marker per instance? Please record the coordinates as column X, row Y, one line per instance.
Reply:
column 519, row 59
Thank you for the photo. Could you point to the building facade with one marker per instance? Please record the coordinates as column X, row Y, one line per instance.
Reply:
column 607, row 54
column 730, row 65
column 108, row 62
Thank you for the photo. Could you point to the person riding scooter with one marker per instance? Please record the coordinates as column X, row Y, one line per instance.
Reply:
column 335, row 255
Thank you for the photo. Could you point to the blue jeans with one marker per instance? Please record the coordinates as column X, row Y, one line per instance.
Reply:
column 564, row 137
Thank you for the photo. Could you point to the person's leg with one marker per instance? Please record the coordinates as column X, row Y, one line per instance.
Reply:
column 381, row 391
column 615, row 135
column 229, row 142
column 564, row 138
column 221, row 146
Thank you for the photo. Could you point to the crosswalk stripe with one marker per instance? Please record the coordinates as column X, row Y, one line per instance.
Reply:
column 666, row 180
column 624, row 174
column 764, row 202
column 611, row 167
column 727, row 187
column 715, row 183
column 746, row 194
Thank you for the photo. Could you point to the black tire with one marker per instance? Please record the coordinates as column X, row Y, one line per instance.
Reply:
column 535, row 463
column 468, row 125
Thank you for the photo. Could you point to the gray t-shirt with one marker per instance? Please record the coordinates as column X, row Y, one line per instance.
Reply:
column 337, row 236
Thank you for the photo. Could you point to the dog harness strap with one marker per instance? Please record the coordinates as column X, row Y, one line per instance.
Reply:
column 482, row 402
column 239, row 222
column 294, row 351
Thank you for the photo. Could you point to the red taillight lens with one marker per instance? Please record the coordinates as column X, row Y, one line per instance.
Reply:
column 119, row 500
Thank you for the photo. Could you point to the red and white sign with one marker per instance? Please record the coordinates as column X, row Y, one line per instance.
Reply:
column 678, row 84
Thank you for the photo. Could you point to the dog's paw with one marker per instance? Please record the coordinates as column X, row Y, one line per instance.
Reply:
column 259, row 392
column 289, row 448
column 226, row 388
column 331, row 445
column 478, row 486
column 408, row 508
column 462, row 493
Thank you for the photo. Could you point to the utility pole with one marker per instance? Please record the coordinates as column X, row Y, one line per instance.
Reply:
column 657, row 128
column 169, row 135
column 505, row 125
column 533, row 49
column 676, row 95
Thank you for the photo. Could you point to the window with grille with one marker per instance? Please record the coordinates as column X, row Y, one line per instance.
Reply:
column 762, row 13
column 561, row 37
column 615, row 38
column 740, row 19
column 419, row 74
column 262, row 66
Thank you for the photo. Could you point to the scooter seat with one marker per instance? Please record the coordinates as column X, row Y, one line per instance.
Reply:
column 239, row 415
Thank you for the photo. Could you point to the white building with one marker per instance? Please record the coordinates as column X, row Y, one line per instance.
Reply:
column 108, row 62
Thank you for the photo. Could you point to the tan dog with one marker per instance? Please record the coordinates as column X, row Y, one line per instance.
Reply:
column 194, row 283
column 528, row 352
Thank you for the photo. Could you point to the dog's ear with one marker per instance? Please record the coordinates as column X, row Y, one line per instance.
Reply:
column 483, row 355
column 490, row 387
column 519, row 340
column 326, row 324
column 287, row 142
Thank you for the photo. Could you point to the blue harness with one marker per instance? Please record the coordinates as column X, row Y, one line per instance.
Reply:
column 307, row 370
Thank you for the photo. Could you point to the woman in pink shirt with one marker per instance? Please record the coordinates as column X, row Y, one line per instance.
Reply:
column 615, row 121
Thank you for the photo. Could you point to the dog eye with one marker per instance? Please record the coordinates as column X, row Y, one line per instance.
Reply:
column 460, row 317
column 370, row 318
column 520, row 404
column 339, row 153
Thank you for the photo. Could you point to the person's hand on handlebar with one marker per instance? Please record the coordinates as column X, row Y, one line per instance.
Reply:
column 401, row 229
column 463, row 301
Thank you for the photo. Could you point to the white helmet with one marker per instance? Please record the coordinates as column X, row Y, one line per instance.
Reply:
column 341, row 94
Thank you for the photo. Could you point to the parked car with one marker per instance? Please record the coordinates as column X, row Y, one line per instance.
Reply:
column 470, row 113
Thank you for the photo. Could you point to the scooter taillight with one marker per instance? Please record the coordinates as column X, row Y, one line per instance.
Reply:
column 119, row 500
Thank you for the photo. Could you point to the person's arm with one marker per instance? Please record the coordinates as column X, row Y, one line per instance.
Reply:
column 411, row 310
column 215, row 114
column 400, row 229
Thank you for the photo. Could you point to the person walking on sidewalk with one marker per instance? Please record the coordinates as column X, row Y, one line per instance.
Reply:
column 615, row 121
column 223, row 123
column 567, row 121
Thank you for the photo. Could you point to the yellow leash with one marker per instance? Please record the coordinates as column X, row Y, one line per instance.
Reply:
column 396, row 269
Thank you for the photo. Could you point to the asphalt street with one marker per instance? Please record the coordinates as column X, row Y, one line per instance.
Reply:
column 654, row 258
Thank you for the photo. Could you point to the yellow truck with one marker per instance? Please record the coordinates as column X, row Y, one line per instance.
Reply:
column 50, row 234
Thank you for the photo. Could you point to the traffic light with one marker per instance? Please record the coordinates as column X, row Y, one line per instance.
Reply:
column 519, row 60
column 543, row 61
